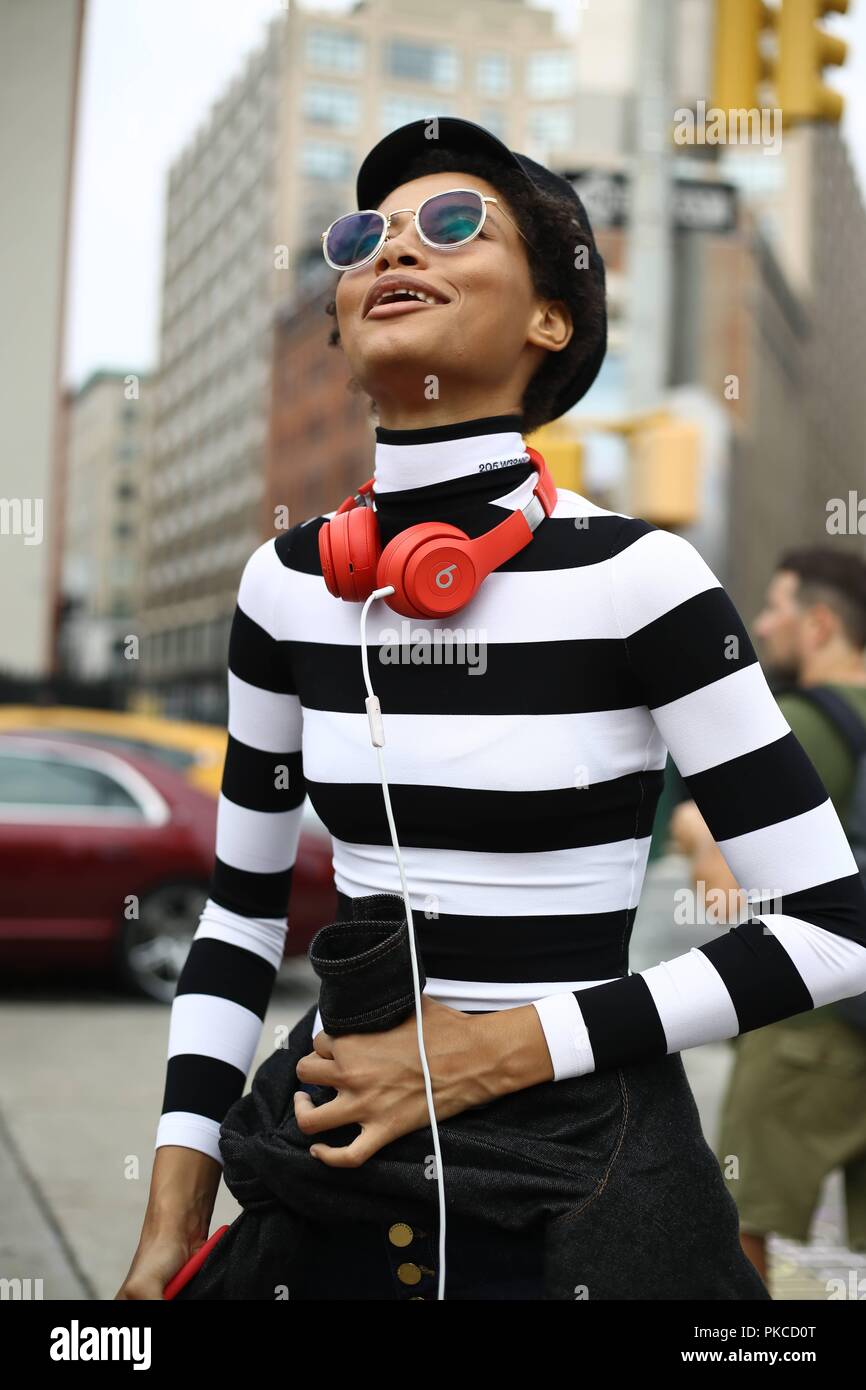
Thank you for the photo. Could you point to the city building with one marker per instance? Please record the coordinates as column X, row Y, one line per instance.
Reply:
column 39, row 66
column 109, row 437
column 247, row 201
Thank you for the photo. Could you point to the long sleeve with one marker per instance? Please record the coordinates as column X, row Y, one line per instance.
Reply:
column 227, row 979
column 804, row 943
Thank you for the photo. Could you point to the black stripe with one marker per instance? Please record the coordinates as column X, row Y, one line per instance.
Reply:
column 517, row 950
column 202, row 1085
column 460, row 429
column 558, row 543
column 250, row 778
column 257, row 658
column 251, row 894
column 568, row 677
column 707, row 627
column 228, row 971
column 838, row 906
column 760, row 976
column 622, row 1022
column 757, row 789
column 460, row 818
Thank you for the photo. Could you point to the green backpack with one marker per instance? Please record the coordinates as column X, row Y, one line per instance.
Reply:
column 853, row 730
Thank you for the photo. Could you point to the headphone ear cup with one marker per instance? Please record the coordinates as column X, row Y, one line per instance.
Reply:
column 411, row 587
column 349, row 549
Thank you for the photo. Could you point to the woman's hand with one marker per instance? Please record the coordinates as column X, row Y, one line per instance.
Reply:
column 183, row 1189
column 473, row 1059
column 161, row 1253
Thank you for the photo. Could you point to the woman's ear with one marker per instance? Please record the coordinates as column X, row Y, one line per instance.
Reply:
column 553, row 326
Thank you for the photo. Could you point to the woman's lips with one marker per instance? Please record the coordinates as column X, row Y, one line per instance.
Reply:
column 398, row 306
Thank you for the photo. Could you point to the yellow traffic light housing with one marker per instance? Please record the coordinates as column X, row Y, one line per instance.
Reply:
column 665, row 471
column 740, row 63
column 563, row 453
column 804, row 52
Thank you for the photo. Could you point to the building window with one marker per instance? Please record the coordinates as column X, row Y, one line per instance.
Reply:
column 550, row 73
column 400, row 110
column 332, row 106
column 552, row 127
column 322, row 161
column 494, row 74
column 331, row 50
column 432, row 64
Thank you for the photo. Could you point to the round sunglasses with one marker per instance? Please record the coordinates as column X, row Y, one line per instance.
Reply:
column 444, row 219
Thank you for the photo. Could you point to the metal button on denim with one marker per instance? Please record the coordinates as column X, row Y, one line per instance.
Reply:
column 400, row 1233
column 409, row 1274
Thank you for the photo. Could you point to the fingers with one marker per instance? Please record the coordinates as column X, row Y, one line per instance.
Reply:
column 324, row 1044
column 311, row 1119
column 318, row 1070
column 351, row 1155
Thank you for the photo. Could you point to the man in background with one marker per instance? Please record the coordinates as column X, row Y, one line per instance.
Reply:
column 795, row 1107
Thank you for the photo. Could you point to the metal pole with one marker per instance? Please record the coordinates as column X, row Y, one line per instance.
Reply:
column 649, row 233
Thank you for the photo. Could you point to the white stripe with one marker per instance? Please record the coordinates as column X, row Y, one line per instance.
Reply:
column 258, row 585
column 471, row 995
column 590, row 878
column 264, row 719
column 693, row 1004
column 723, row 720
column 800, row 852
column 399, row 466
column 261, row 842
column 211, row 1026
column 828, row 963
column 263, row 936
column 520, row 607
column 566, row 1035
column 678, row 572
column 189, row 1130
column 493, row 752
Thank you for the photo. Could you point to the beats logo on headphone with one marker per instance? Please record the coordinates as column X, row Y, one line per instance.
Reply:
column 435, row 568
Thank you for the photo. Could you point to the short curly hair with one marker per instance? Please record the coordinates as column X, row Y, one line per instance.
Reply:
column 554, row 231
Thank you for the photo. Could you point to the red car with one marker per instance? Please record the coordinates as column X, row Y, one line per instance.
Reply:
column 86, row 832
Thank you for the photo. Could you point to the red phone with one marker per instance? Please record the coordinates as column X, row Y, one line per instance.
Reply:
column 193, row 1264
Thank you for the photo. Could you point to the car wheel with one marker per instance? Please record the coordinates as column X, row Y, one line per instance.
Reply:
column 153, row 947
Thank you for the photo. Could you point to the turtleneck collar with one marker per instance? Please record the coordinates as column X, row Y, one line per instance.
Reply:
column 417, row 458
column 469, row 474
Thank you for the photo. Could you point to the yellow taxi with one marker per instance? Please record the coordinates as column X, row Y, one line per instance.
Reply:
column 197, row 751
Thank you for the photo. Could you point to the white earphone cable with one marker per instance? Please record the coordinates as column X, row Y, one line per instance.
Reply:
column 377, row 735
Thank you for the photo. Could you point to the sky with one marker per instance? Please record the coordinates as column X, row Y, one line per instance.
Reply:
column 150, row 71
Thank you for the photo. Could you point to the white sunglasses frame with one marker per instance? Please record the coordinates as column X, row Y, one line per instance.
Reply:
column 485, row 199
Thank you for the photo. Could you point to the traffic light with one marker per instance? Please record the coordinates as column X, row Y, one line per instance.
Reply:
column 562, row 451
column 664, row 468
column 804, row 52
column 740, row 63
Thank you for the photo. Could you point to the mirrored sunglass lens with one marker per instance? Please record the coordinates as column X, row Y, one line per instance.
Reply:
column 451, row 217
column 354, row 237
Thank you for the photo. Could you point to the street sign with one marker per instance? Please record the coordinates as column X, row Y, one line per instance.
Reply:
column 696, row 206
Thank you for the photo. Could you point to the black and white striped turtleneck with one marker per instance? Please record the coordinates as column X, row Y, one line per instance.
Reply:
column 524, row 783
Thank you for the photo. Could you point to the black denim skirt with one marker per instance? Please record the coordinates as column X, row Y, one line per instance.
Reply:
column 597, row 1187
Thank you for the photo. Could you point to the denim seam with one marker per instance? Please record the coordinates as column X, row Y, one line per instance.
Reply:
column 576, row 1211
column 461, row 1136
column 325, row 966
column 345, row 1020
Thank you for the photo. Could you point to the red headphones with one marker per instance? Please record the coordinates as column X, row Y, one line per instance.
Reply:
column 435, row 568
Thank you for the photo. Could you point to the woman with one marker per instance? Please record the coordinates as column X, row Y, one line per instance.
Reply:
column 523, row 792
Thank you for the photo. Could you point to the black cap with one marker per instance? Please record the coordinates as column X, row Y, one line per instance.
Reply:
column 382, row 170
